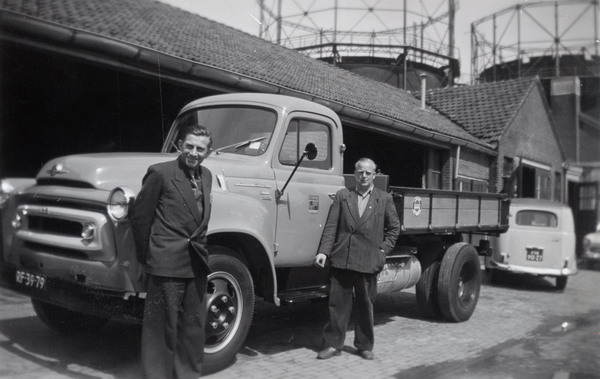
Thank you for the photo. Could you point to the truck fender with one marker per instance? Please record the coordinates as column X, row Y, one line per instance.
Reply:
column 12, row 186
column 242, row 216
column 9, row 187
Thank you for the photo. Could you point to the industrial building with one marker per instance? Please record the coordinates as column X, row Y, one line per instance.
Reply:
column 559, row 43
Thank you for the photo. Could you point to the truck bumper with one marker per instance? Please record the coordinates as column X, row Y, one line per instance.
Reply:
column 75, row 297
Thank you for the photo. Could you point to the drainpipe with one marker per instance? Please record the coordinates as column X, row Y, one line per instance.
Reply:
column 456, row 168
column 423, row 85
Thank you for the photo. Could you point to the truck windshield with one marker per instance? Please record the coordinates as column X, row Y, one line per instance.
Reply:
column 235, row 129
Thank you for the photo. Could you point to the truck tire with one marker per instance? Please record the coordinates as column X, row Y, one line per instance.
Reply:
column 459, row 282
column 230, row 306
column 66, row 321
column 426, row 291
column 561, row 283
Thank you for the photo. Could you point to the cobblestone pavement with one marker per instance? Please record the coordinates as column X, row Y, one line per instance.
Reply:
column 511, row 319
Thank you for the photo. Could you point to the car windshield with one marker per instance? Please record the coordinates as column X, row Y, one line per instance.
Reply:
column 235, row 129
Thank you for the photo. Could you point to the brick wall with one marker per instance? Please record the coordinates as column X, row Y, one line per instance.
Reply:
column 448, row 168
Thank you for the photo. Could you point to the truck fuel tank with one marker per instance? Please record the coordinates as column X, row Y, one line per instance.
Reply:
column 399, row 272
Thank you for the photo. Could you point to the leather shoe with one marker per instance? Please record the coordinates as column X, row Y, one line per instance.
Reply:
column 328, row 352
column 366, row 354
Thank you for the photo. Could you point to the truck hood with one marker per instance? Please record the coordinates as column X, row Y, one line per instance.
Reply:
column 109, row 170
column 101, row 171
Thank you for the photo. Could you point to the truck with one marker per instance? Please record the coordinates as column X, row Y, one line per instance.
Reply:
column 277, row 162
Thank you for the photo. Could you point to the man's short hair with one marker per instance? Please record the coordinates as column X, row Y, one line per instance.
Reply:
column 366, row 160
column 197, row 130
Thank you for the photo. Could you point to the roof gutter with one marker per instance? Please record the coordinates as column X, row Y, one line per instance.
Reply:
column 107, row 50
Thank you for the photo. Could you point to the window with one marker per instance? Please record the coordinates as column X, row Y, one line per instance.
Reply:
column 235, row 129
column 537, row 218
column 301, row 132
column 471, row 185
column 587, row 197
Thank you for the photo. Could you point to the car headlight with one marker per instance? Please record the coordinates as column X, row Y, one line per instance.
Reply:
column 118, row 202
column 587, row 243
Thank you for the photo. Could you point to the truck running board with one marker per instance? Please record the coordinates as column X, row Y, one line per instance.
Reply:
column 299, row 296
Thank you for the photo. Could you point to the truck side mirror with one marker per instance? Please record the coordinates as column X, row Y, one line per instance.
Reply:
column 310, row 152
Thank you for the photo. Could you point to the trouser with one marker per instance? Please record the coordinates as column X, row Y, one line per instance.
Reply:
column 173, row 328
column 345, row 283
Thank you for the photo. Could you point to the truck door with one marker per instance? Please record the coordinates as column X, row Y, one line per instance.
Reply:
column 303, row 208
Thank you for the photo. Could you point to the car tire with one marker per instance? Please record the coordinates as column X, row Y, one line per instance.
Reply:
column 459, row 282
column 230, row 307
column 64, row 320
column 426, row 292
column 561, row 283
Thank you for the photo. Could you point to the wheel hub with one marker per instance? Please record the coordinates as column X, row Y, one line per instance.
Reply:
column 222, row 309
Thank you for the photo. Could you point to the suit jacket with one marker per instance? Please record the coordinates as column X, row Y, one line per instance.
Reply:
column 168, row 229
column 355, row 243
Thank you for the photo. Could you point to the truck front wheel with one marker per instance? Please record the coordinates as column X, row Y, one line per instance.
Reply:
column 230, row 305
column 64, row 320
column 459, row 282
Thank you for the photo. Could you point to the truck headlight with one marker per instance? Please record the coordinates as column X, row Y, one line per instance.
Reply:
column 118, row 203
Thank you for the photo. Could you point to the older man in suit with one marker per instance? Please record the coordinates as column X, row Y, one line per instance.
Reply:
column 361, row 229
column 170, row 218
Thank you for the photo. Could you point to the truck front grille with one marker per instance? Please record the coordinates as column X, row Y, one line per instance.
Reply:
column 58, row 230
column 54, row 226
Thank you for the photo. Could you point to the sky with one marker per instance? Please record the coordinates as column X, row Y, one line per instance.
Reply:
column 245, row 14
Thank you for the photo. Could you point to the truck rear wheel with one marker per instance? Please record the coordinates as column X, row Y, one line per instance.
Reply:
column 426, row 291
column 459, row 282
column 64, row 320
column 230, row 306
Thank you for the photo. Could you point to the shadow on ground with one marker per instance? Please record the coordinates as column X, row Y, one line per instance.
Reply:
column 522, row 282
column 295, row 326
column 113, row 349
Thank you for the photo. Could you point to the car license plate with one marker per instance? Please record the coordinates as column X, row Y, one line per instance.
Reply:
column 536, row 255
column 27, row 279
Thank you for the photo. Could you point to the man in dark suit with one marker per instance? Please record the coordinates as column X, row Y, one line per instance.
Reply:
column 170, row 218
column 361, row 229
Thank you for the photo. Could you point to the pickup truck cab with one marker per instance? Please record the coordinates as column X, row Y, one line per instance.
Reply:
column 277, row 162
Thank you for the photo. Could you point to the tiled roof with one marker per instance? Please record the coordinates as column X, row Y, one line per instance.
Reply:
column 484, row 110
column 169, row 30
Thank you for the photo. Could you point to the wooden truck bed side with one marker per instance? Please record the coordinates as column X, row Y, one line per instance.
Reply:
column 443, row 211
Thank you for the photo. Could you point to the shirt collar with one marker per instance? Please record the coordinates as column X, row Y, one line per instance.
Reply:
column 367, row 192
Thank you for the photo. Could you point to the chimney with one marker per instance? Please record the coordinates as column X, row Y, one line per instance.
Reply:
column 565, row 108
column 423, row 89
